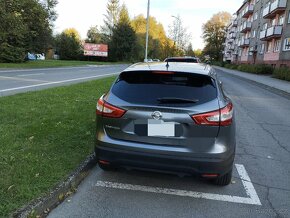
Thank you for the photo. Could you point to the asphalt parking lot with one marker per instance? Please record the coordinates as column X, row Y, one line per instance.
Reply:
column 260, row 187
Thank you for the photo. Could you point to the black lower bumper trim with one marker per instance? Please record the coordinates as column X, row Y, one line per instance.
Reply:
column 121, row 158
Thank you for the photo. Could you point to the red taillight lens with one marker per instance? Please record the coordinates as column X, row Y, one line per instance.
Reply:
column 227, row 115
column 107, row 110
column 222, row 117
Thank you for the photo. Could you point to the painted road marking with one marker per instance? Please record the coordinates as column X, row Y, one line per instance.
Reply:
column 21, row 79
column 252, row 198
column 52, row 69
column 32, row 74
column 57, row 82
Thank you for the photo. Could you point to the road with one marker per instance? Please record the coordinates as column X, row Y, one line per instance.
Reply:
column 17, row 81
column 260, row 187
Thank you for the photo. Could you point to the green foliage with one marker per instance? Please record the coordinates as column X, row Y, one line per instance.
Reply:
column 68, row 45
column 123, row 44
column 282, row 73
column 231, row 66
column 214, row 33
column 26, row 26
column 45, row 139
column 111, row 20
column 256, row 69
column 94, row 36
column 189, row 50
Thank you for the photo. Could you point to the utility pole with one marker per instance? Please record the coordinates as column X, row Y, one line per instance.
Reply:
column 147, row 31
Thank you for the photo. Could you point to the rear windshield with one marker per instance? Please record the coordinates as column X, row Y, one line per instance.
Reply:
column 187, row 60
column 146, row 87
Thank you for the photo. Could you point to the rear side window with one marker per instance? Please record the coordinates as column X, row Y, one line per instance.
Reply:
column 184, row 60
column 146, row 87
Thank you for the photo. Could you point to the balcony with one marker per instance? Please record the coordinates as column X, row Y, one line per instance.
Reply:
column 233, row 35
column 230, row 41
column 245, row 43
column 247, row 26
column 232, row 47
column 263, row 34
column 272, row 32
column 248, row 11
column 233, row 30
column 277, row 7
column 235, row 23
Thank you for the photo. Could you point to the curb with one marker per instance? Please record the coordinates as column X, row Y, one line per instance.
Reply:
column 277, row 91
column 43, row 205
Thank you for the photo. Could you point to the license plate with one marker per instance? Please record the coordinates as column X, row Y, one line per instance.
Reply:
column 161, row 128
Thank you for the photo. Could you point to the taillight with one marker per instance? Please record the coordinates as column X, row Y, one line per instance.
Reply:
column 107, row 110
column 222, row 117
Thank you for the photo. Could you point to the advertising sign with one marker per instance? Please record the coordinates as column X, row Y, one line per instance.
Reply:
column 98, row 50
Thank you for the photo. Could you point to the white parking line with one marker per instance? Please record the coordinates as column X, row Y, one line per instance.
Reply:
column 57, row 82
column 252, row 198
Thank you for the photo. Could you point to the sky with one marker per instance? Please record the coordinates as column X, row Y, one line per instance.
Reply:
column 194, row 13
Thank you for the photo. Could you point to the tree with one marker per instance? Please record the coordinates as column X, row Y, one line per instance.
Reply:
column 189, row 50
column 111, row 19
column 198, row 53
column 123, row 43
column 159, row 45
column 68, row 45
column 214, row 34
column 179, row 34
column 12, row 33
column 93, row 35
column 26, row 25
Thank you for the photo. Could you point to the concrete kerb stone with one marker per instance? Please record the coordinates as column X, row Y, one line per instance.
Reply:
column 277, row 91
column 43, row 205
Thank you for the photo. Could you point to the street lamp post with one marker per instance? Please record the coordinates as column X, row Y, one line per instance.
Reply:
column 147, row 32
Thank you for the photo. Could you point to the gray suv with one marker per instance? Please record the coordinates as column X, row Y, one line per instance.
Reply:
column 167, row 117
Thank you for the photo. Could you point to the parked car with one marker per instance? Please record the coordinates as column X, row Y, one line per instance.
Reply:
column 167, row 117
column 183, row 59
column 156, row 60
column 40, row 57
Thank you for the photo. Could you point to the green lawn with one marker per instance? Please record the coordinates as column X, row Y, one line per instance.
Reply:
column 53, row 63
column 44, row 136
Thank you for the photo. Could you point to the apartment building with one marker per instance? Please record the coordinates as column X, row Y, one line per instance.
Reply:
column 260, row 33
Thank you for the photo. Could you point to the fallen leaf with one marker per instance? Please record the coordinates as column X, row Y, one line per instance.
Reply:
column 10, row 187
column 31, row 138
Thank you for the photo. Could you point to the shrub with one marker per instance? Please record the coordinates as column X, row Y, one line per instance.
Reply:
column 231, row 66
column 282, row 73
column 256, row 69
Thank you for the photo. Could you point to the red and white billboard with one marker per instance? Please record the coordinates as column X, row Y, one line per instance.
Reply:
column 99, row 50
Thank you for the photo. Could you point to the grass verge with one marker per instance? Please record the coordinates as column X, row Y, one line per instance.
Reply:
column 44, row 136
column 52, row 63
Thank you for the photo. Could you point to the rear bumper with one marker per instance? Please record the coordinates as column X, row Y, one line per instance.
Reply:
column 164, row 162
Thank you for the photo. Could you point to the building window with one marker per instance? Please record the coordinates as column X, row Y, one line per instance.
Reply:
column 254, row 34
column 256, row 15
column 262, row 48
column 281, row 20
column 269, row 47
column 277, row 45
column 286, row 46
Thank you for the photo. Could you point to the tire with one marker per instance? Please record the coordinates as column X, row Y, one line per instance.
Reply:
column 224, row 180
column 106, row 167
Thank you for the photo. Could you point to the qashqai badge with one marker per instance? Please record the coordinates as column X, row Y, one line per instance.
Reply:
column 156, row 115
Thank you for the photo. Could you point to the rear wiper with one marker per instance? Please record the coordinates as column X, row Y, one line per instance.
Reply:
column 176, row 100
